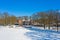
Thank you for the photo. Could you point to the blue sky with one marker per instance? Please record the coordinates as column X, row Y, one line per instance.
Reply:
column 27, row 7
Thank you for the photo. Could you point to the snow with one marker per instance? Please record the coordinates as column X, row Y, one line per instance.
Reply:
column 37, row 34
column 21, row 33
column 43, row 36
column 13, row 33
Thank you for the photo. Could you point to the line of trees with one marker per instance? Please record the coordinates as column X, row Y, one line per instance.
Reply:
column 6, row 19
column 47, row 18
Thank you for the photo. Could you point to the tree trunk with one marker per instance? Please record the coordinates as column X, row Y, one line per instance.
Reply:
column 57, row 27
column 49, row 27
column 44, row 26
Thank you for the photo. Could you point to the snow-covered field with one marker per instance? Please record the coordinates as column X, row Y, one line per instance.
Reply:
column 41, row 34
column 13, row 33
column 20, row 33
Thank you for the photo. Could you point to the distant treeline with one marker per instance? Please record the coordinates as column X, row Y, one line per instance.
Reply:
column 47, row 18
column 6, row 19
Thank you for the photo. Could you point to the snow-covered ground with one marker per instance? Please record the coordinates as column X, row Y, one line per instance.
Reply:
column 41, row 34
column 13, row 33
column 20, row 33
